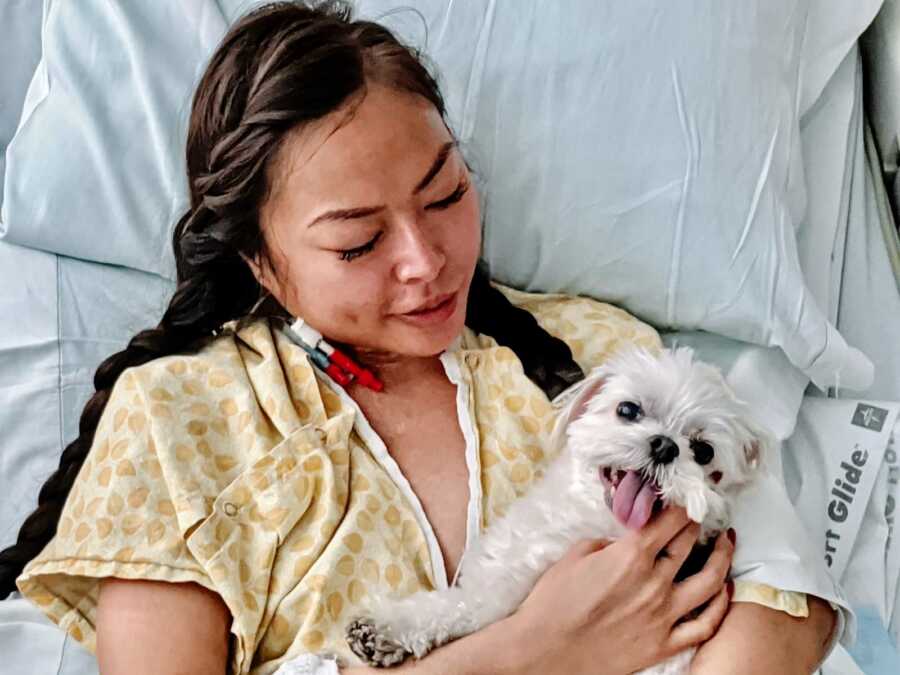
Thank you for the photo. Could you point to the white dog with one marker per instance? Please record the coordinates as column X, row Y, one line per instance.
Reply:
column 643, row 430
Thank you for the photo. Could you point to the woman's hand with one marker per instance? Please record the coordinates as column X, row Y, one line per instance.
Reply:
column 615, row 608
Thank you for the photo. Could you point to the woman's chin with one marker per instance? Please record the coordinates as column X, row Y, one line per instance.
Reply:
column 427, row 335
column 429, row 345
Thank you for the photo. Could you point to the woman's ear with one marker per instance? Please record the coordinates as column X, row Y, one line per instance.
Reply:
column 254, row 266
column 262, row 270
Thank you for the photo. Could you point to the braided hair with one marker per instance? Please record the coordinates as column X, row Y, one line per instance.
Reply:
column 281, row 66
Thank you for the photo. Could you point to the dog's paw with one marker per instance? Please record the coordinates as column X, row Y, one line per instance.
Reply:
column 373, row 646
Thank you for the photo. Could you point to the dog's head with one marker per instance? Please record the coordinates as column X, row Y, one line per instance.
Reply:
column 652, row 429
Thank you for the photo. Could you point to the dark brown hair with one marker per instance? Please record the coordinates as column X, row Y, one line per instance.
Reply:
column 281, row 66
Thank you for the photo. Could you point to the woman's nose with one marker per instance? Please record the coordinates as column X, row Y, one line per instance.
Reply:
column 419, row 258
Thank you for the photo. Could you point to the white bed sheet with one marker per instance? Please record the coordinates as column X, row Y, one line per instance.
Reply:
column 845, row 245
column 827, row 145
column 845, row 240
column 31, row 645
column 869, row 309
column 68, row 316
column 29, row 381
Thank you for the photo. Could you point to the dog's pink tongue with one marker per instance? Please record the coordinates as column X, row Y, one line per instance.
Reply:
column 633, row 501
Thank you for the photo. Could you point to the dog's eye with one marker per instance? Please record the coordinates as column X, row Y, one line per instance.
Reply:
column 703, row 452
column 629, row 410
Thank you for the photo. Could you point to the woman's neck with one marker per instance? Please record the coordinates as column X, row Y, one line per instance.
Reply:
column 397, row 370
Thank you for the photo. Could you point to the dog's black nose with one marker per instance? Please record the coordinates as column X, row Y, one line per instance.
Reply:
column 663, row 449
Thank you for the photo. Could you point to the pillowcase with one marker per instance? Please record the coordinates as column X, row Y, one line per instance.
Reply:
column 642, row 153
column 20, row 51
column 96, row 168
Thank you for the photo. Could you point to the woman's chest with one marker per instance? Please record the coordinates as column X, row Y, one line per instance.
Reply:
column 429, row 449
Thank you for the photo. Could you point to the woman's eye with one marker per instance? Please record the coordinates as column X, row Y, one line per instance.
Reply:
column 703, row 452
column 450, row 199
column 349, row 254
column 629, row 410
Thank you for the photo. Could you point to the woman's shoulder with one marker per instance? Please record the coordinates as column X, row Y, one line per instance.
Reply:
column 227, row 403
column 209, row 366
column 250, row 362
column 592, row 329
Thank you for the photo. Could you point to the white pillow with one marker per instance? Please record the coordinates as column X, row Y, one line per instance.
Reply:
column 645, row 153
column 20, row 51
column 96, row 168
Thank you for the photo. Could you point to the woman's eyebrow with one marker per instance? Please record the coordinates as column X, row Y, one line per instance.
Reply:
column 346, row 214
column 436, row 166
column 364, row 211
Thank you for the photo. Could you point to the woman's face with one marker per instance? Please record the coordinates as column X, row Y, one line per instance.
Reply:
column 373, row 227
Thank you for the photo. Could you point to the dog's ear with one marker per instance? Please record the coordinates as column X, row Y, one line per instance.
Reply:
column 752, row 453
column 758, row 447
column 573, row 402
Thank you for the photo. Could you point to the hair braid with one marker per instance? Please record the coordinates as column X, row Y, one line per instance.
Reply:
column 546, row 360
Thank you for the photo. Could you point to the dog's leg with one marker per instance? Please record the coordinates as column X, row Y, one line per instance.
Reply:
column 421, row 622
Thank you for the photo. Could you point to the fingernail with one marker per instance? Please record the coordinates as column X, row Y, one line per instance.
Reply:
column 732, row 536
column 729, row 586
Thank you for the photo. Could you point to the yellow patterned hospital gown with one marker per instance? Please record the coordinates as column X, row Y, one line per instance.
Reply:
column 250, row 473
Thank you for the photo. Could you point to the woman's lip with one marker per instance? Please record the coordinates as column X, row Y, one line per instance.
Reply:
column 440, row 312
column 434, row 304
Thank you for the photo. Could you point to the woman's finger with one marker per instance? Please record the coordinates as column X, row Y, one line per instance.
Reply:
column 585, row 547
column 700, row 629
column 662, row 528
column 697, row 589
column 672, row 557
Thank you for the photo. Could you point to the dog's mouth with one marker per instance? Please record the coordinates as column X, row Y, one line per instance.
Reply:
column 631, row 495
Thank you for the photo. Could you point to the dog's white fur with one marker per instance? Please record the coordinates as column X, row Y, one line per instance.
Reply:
column 681, row 398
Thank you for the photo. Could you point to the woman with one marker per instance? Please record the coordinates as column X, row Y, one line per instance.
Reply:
column 228, row 504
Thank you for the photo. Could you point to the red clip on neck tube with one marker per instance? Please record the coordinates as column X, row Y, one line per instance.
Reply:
column 365, row 377
column 338, row 361
column 338, row 375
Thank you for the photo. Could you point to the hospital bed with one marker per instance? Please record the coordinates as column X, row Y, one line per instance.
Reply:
column 725, row 171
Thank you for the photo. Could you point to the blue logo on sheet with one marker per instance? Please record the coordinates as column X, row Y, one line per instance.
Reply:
column 869, row 417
